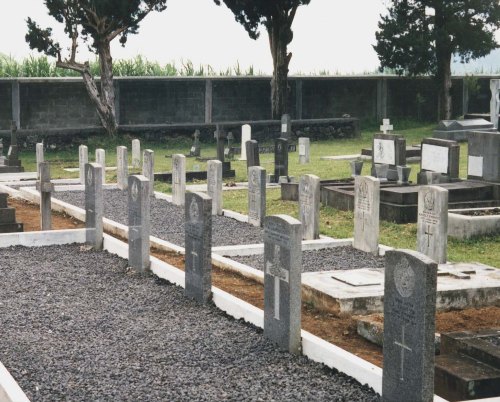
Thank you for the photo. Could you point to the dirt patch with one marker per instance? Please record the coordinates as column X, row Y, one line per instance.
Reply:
column 338, row 330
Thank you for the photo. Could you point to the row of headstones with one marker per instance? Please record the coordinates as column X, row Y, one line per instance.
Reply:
column 409, row 309
column 432, row 220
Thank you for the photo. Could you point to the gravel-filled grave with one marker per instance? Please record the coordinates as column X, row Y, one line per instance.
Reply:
column 335, row 258
column 76, row 325
column 167, row 219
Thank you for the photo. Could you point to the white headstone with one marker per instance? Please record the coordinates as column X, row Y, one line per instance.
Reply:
column 384, row 151
column 366, row 213
column 304, row 150
column 136, row 153
column 39, row 157
column 246, row 135
column 178, row 179
column 475, row 166
column 83, row 159
column 256, row 195
column 100, row 158
column 214, row 185
column 309, row 202
column 148, row 169
column 435, row 158
column 122, row 167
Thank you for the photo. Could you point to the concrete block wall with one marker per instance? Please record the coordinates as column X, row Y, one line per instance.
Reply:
column 5, row 105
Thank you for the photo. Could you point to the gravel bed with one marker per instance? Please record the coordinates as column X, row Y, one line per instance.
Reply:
column 167, row 220
column 76, row 325
column 329, row 259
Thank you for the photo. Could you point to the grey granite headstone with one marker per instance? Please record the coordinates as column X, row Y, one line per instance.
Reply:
column 122, row 167
column 148, row 169
column 280, row 158
column 440, row 156
column 246, row 135
column 138, row 223
column 282, row 281
column 94, row 205
column 494, row 102
column 309, row 201
column 83, row 159
column 136, row 153
column 366, row 213
column 220, row 136
column 484, row 156
column 286, row 127
column 195, row 148
column 432, row 222
column 178, row 179
column 253, row 158
column 100, row 158
column 304, row 150
column 198, row 240
column 388, row 149
column 45, row 187
column 8, row 222
column 214, row 185
column 409, row 326
column 256, row 195
column 39, row 157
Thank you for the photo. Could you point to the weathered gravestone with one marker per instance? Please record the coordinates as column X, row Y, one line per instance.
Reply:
column 148, row 169
column 280, row 158
column 138, row 222
column 388, row 149
column 94, row 205
column 122, row 167
column 457, row 130
column 282, row 281
column 136, row 153
column 12, row 164
column 39, row 157
column 366, row 213
column 8, row 222
column 484, row 156
column 253, row 158
column 198, row 241
column 83, row 159
column 214, row 185
column 304, row 150
column 286, row 127
column 409, row 325
column 45, row 187
column 195, row 148
column 246, row 135
column 494, row 102
column 309, row 200
column 432, row 222
column 256, row 195
column 100, row 159
column 228, row 150
column 178, row 179
column 439, row 156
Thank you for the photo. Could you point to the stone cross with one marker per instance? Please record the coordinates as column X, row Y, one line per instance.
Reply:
column 386, row 126
column 253, row 158
column 198, row 243
column 178, row 179
column 366, row 213
column 100, row 158
column 280, row 158
column 122, row 167
column 214, row 185
column 309, row 203
column 138, row 223
column 256, row 195
column 39, row 157
column 83, row 159
column 286, row 127
column 148, row 169
column 45, row 187
column 94, row 205
column 432, row 222
column 409, row 325
column 282, row 281
column 220, row 136
column 195, row 148
column 136, row 153
column 246, row 135
column 304, row 150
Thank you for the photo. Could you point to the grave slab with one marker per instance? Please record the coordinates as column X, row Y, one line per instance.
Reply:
column 457, row 130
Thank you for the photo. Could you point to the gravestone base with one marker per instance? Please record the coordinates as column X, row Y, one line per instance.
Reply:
column 11, row 169
column 8, row 222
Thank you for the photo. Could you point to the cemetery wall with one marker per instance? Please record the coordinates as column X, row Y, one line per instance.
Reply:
column 5, row 106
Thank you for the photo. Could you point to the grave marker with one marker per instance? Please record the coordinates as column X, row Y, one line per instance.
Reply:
column 39, row 156
column 83, row 159
column 304, row 150
column 94, row 205
column 198, row 240
column 195, row 148
column 138, row 222
column 366, row 213
column 282, row 281
column 280, row 158
column 8, row 222
column 484, row 156
column 286, row 127
column 309, row 201
column 440, row 156
column 388, row 149
column 122, row 167
column 136, row 153
column 409, row 325
column 256, row 195
column 45, row 187
column 148, row 169
column 178, row 179
column 253, row 158
column 12, row 164
column 246, row 135
column 432, row 222
column 100, row 158
column 214, row 185
column 386, row 126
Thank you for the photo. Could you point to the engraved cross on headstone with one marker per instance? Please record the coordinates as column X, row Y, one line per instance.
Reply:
column 403, row 347
column 194, row 255
column 275, row 269
column 386, row 126
column 428, row 233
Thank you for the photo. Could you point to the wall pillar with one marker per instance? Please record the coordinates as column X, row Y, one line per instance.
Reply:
column 16, row 103
column 382, row 98
column 116, row 85
column 208, row 101
column 298, row 99
column 465, row 97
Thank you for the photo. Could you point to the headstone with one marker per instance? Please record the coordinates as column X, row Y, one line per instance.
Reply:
column 403, row 175
column 195, row 148
column 100, row 159
column 381, row 171
column 220, row 136
column 484, row 156
column 138, row 223
column 309, row 202
column 282, row 281
column 286, row 127
column 45, row 187
column 304, row 150
column 256, row 195
column 83, row 159
column 198, row 240
column 178, row 179
column 228, row 151
column 280, row 158
column 148, row 169
column 246, row 135
column 12, row 163
column 39, row 156
column 440, row 156
column 409, row 325
column 356, row 167
column 8, row 222
column 388, row 149
column 495, row 102
column 366, row 213
column 122, row 167
column 386, row 126
column 253, row 158
column 214, row 185
column 94, row 205
column 136, row 153
column 432, row 222
column 457, row 130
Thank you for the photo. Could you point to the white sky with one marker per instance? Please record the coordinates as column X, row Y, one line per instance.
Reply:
column 329, row 35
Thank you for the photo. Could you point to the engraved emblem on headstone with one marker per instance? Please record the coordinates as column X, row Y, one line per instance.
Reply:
column 275, row 269
column 194, row 211
column 404, row 278
column 90, row 178
column 380, row 150
column 134, row 191
column 429, row 201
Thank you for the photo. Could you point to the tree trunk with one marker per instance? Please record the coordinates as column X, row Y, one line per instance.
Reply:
column 444, row 52
column 108, row 118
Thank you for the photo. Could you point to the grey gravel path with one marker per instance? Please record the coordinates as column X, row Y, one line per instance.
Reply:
column 76, row 326
column 325, row 260
column 167, row 220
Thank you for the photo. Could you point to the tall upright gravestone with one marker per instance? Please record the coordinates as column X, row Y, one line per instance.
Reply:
column 256, row 195
column 12, row 164
column 409, row 325
column 309, row 201
column 246, row 135
column 136, row 153
column 214, row 185
column 304, row 150
column 178, row 179
column 198, row 241
column 280, row 158
column 83, row 159
column 39, row 156
column 366, row 213
column 282, row 281
column 100, row 158
column 122, row 167
column 138, row 223
column 148, row 169
column 253, row 158
column 45, row 187
column 94, row 205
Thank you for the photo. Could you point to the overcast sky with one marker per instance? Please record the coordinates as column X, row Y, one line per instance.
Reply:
column 329, row 35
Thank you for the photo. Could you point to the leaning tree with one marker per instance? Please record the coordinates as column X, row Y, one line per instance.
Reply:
column 95, row 23
column 421, row 37
column 277, row 16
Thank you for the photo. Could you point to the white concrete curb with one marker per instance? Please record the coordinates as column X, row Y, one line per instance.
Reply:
column 10, row 391
column 40, row 239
